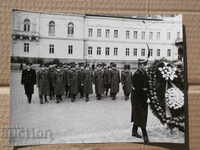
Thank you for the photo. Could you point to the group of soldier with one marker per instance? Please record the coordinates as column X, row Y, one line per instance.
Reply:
column 70, row 79
column 54, row 81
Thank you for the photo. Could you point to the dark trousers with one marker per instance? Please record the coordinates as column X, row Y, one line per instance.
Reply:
column 107, row 87
column 58, row 98
column 67, row 91
column 73, row 97
column 51, row 91
column 135, row 128
column 81, row 88
column 29, row 97
column 41, row 98
column 113, row 95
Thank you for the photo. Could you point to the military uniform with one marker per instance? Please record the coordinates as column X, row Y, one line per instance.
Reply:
column 139, row 102
column 107, row 79
column 126, row 78
column 87, row 82
column 51, row 77
column 28, row 79
column 73, row 83
column 81, row 74
column 59, row 84
column 98, row 81
column 115, row 80
column 43, row 85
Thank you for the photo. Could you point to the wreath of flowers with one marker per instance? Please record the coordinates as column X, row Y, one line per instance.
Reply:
column 162, row 73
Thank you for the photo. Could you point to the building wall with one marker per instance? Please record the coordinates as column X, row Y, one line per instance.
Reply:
column 80, row 40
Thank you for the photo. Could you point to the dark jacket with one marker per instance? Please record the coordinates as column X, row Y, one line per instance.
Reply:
column 115, row 80
column 43, row 82
column 59, row 83
column 98, row 81
column 28, row 79
column 139, row 98
column 126, row 78
column 73, row 82
column 87, row 82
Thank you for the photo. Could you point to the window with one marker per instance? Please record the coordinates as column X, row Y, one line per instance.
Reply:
column 98, row 32
column 89, row 50
column 135, row 52
column 26, row 47
column 127, row 52
column 178, row 35
column 169, row 52
column 135, row 34
column 115, row 33
column 168, row 35
column 98, row 50
column 70, row 30
column 107, row 51
column 143, row 52
column 90, row 30
column 27, row 24
column 107, row 33
column 150, row 35
column 151, row 52
column 158, row 52
column 51, row 49
column 51, row 28
column 158, row 36
column 127, row 34
column 70, row 49
column 115, row 51
column 143, row 35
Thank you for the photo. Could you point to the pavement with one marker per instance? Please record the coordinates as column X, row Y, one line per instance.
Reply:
column 79, row 122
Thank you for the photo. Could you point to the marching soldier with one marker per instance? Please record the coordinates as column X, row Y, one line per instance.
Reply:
column 139, row 100
column 66, row 77
column 87, row 82
column 28, row 79
column 98, row 81
column 43, row 84
column 107, row 79
column 126, row 77
column 115, row 80
column 81, row 81
column 59, row 84
column 73, row 83
column 51, row 77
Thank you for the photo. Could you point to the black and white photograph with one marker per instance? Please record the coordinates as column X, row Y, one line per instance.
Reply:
column 97, row 78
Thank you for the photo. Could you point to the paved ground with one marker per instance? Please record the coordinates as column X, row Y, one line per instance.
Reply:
column 79, row 122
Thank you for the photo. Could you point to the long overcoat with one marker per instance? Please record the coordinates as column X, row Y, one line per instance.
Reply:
column 59, row 83
column 126, row 78
column 107, row 77
column 115, row 80
column 139, row 98
column 43, row 82
column 28, row 79
column 88, row 80
column 98, row 81
column 73, row 82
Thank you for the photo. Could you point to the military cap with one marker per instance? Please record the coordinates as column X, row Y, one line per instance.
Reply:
column 142, row 61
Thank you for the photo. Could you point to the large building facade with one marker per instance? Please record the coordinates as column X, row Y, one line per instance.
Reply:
column 94, row 38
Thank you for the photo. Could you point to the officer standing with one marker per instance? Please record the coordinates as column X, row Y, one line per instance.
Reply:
column 107, row 79
column 139, row 100
column 51, row 77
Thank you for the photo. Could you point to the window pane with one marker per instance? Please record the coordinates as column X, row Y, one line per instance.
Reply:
column 90, row 30
column 98, row 32
column 135, row 34
column 127, row 34
column 98, row 50
column 158, row 52
column 115, row 51
column 107, row 33
column 143, row 52
column 135, row 51
column 115, row 33
column 169, row 52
